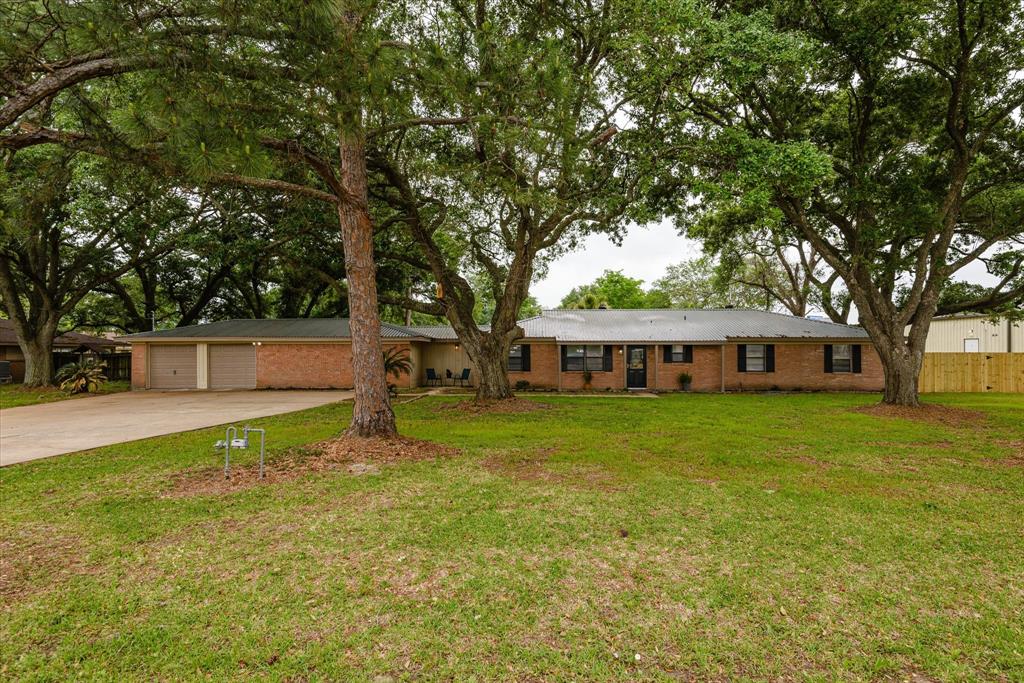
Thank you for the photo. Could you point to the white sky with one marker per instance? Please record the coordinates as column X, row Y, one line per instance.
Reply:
column 645, row 253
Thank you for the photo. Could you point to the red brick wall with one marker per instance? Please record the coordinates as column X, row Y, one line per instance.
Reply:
column 616, row 379
column 139, row 366
column 801, row 366
column 543, row 367
column 706, row 369
column 309, row 366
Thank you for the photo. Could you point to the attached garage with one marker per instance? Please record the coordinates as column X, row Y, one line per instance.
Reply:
column 232, row 366
column 172, row 366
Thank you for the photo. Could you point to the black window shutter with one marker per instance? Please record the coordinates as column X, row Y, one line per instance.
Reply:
column 668, row 353
column 565, row 361
column 828, row 358
column 769, row 357
column 688, row 353
column 526, row 357
column 855, row 360
column 607, row 358
column 741, row 357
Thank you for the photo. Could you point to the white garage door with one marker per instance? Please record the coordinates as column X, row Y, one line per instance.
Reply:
column 232, row 366
column 172, row 366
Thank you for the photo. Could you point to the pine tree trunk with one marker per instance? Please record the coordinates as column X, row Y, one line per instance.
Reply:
column 372, row 414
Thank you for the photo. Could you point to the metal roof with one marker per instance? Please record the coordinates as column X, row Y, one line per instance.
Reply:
column 439, row 332
column 707, row 325
column 565, row 326
column 284, row 328
column 8, row 337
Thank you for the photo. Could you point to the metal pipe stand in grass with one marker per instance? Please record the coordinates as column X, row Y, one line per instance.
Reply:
column 231, row 440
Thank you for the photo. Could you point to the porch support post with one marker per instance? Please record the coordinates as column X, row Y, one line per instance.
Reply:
column 625, row 362
column 655, row 387
column 723, row 368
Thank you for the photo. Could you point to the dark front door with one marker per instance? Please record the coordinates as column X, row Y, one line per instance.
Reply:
column 636, row 367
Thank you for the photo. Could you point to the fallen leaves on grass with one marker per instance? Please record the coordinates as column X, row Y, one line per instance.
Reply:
column 355, row 455
column 36, row 557
column 504, row 406
column 927, row 412
column 533, row 466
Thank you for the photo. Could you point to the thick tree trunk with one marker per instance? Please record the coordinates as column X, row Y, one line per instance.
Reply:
column 901, row 377
column 491, row 356
column 901, row 352
column 38, row 354
column 372, row 414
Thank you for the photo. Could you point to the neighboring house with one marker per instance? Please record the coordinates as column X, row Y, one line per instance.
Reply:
column 725, row 349
column 67, row 348
column 974, row 333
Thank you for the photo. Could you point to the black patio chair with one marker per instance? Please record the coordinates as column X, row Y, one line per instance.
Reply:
column 463, row 379
column 432, row 378
column 5, row 372
column 448, row 376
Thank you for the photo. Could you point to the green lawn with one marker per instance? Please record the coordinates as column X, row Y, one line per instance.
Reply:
column 14, row 395
column 717, row 537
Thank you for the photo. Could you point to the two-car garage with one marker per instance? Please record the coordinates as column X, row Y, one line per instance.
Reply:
column 182, row 366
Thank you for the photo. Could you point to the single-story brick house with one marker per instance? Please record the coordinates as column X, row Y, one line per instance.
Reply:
column 722, row 349
column 67, row 348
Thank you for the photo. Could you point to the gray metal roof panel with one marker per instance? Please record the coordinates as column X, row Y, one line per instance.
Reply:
column 285, row 328
column 439, row 332
column 709, row 325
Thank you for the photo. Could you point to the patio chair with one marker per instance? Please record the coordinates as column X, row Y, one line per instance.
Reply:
column 463, row 379
column 432, row 378
column 5, row 372
column 448, row 376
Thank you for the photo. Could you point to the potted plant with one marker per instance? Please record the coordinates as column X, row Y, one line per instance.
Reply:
column 685, row 380
column 587, row 376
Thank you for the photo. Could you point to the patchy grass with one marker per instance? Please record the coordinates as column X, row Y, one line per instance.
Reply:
column 790, row 537
column 14, row 395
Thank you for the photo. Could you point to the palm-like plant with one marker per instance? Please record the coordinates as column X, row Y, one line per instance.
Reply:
column 82, row 377
column 590, row 301
column 397, row 362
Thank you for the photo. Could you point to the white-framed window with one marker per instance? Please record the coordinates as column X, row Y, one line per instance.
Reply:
column 755, row 358
column 515, row 358
column 678, row 353
column 589, row 357
column 972, row 345
column 842, row 358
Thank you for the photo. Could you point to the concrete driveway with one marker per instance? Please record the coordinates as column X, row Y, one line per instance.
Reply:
column 33, row 432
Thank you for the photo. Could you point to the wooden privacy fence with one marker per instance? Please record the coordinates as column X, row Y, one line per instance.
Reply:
column 978, row 372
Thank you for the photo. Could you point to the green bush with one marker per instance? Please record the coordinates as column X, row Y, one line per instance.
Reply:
column 522, row 385
column 82, row 377
column 685, row 379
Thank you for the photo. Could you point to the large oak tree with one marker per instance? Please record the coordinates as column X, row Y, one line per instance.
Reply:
column 888, row 136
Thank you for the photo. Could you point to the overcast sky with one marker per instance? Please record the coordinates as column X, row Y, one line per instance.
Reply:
column 645, row 253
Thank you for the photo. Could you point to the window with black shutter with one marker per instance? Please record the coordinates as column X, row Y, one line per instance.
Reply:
column 842, row 358
column 591, row 357
column 755, row 357
column 679, row 353
column 519, row 358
